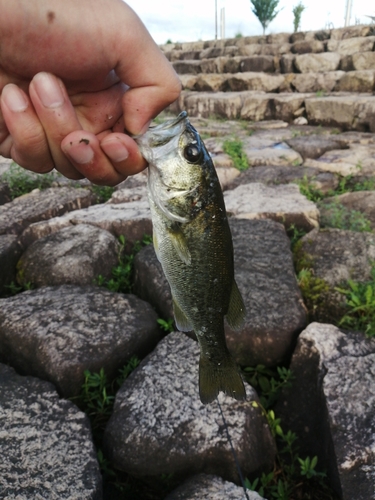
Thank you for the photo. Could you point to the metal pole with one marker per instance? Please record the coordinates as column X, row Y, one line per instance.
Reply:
column 348, row 12
column 222, row 23
column 215, row 19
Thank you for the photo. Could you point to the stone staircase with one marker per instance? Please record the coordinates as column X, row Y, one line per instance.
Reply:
column 317, row 77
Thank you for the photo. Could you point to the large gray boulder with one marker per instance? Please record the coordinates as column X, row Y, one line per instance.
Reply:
column 132, row 220
column 204, row 486
column 56, row 333
column 265, row 275
column 18, row 214
column 46, row 448
column 331, row 406
column 159, row 424
column 334, row 256
column 75, row 255
column 10, row 252
column 282, row 203
column 317, row 63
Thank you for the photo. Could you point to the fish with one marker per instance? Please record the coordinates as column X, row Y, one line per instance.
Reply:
column 193, row 243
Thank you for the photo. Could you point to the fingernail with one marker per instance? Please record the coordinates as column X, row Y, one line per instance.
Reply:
column 80, row 153
column 14, row 98
column 48, row 90
column 115, row 150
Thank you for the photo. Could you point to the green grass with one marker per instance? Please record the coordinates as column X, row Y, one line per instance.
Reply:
column 292, row 476
column 102, row 193
column 338, row 216
column 21, row 181
column 122, row 273
column 360, row 303
column 234, row 149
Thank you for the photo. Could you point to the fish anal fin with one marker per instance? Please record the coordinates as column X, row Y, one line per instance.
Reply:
column 214, row 377
column 236, row 311
column 182, row 323
column 179, row 243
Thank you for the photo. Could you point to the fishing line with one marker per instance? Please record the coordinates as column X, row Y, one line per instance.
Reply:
column 233, row 451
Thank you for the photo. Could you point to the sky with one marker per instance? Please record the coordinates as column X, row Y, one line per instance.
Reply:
column 192, row 20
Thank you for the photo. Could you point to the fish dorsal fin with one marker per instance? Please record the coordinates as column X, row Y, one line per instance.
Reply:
column 182, row 323
column 236, row 311
column 179, row 243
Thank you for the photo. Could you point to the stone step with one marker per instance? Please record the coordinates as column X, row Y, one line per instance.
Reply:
column 277, row 39
column 314, row 82
column 344, row 110
column 286, row 63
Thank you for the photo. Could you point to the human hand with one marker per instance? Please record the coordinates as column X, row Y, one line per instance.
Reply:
column 73, row 76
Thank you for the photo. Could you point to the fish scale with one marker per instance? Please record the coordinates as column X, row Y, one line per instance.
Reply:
column 193, row 243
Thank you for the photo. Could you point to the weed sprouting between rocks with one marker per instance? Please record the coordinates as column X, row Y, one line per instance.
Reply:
column 292, row 476
column 234, row 149
column 122, row 273
column 21, row 181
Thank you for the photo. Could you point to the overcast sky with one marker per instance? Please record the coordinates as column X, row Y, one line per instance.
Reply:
column 191, row 20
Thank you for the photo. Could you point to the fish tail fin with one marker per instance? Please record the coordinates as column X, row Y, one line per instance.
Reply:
column 215, row 377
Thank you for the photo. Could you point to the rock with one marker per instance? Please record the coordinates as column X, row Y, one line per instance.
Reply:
column 336, row 256
column 225, row 171
column 357, row 159
column 216, row 65
column 324, row 181
column 256, row 107
column 351, row 45
column 333, row 397
column 307, row 47
column 188, row 81
column 275, row 49
column 313, row 146
column 363, row 61
column 187, row 67
column 128, row 194
column 4, row 192
column 150, row 283
column 347, row 112
column 205, row 105
column 46, row 445
column 10, row 252
column 301, row 120
column 56, row 333
column 356, row 81
column 287, row 63
column 361, row 201
column 261, row 151
column 288, row 105
column 253, row 49
column 232, row 65
column 278, row 38
column 317, row 63
column 160, row 426
column 265, row 276
column 75, row 255
column 351, row 32
column 264, row 64
column 265, row 283
column 254, row 81
column 210, row 82
column 41, row 205
column 132, row 220
column 210, row 487
column 316, row 82
column 282, row 203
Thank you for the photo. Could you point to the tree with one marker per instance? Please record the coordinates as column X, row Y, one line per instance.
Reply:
column 297, row 13
column 265, row 10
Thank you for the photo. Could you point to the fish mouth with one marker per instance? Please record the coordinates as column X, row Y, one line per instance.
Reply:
column 162, row 134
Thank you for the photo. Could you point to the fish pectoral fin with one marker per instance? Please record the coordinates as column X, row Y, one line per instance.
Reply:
column 182, row 323
column 180, row 244
column 236, row 310
column 214, row 377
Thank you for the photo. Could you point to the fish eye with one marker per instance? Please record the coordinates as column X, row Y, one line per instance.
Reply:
column 192, row 153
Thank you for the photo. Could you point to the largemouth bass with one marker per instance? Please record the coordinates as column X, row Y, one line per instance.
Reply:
column 193, row 242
